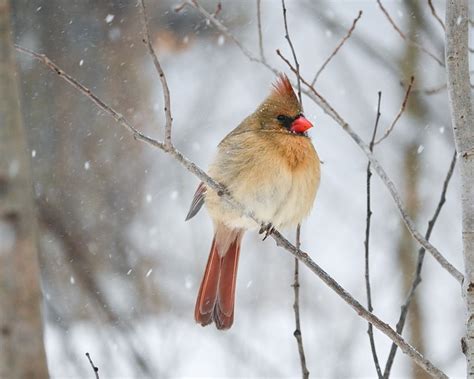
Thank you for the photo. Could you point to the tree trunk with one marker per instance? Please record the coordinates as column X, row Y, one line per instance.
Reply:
column 457, row 60
column 22, row 352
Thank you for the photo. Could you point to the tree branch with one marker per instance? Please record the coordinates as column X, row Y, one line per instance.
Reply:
column 260, row 35
column 419, row 266
column 296, row 308
column 159, row 70
column 399, row 114
column 435, row 15
column 296, row 283
column 276, row 235
column 366, row 245
column 297, row 65
column 339, row 45
column 94, row 367
column 405, row 38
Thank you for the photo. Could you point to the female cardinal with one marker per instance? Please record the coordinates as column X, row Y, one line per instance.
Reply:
column 269, row 165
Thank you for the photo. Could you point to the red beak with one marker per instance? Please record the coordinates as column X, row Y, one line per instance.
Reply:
column 300, row 125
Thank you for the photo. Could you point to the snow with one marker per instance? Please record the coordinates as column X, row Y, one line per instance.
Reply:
column 81, row 62
column 220, row 40
column 87, row 165
column 109, row 18
column 149, row 272
column 33, row 153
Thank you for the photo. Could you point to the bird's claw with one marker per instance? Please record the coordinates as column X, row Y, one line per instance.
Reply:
column 267, row 229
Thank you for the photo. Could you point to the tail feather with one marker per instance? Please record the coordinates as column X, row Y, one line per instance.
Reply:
column 207, row 295
column 216, row 295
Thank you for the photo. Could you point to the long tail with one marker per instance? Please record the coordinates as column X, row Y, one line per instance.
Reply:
column 216, row 297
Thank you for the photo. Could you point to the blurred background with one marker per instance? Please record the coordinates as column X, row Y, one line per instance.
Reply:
column 120, row 268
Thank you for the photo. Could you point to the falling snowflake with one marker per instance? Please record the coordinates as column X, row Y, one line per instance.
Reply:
column 81, row 62
column 221, row 40
column 87, row 165
column 149, row 272
column 33, row 153
column 420, row 149
column 109, row 18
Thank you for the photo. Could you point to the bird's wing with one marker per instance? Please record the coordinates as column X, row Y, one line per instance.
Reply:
column 198, row 201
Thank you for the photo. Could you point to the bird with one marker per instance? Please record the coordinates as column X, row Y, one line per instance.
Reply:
column 269, row 165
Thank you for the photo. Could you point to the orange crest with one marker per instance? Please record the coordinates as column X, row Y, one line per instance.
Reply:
column 284, row 95
column 283, row 87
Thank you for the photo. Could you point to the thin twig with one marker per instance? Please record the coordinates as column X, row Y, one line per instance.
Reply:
column 276, row 235
column 419, row 265
column 435, row 15
column 434, row 90
column 342, row 42
column 297, row 65
column 94, row 367
column 296, row 308
column 221, row 27
column 159, row 70
column 322, row 102
column 405, row 38
column 399, row 114
column 370, row 330
column 260, row 34
column 296, row 284
column 86, row 91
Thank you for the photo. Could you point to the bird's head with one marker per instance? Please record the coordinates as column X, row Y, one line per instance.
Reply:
column 281, row 110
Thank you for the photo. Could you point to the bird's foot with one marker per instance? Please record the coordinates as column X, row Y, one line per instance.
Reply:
column 267, row 229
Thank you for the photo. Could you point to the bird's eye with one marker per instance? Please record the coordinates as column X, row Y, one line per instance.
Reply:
column 281, row 117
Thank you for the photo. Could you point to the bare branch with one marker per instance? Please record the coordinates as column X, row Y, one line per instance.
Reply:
column 321, row 101
column 159, row 70
column 370, row 330
column 94, row 367
column 339, row 45
column 296, row 308
column 260, row 35
column 399, row 114
column 297, row 65
column 435, row 15
column 434, row 90
column 276, row 235
column 419, row 266
column 405, row 38
column 224, row 30
column 296, row 284
column 86, row 91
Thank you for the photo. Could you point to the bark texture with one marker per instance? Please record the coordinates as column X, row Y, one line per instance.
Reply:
column 457, row 29
column 22, row 352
